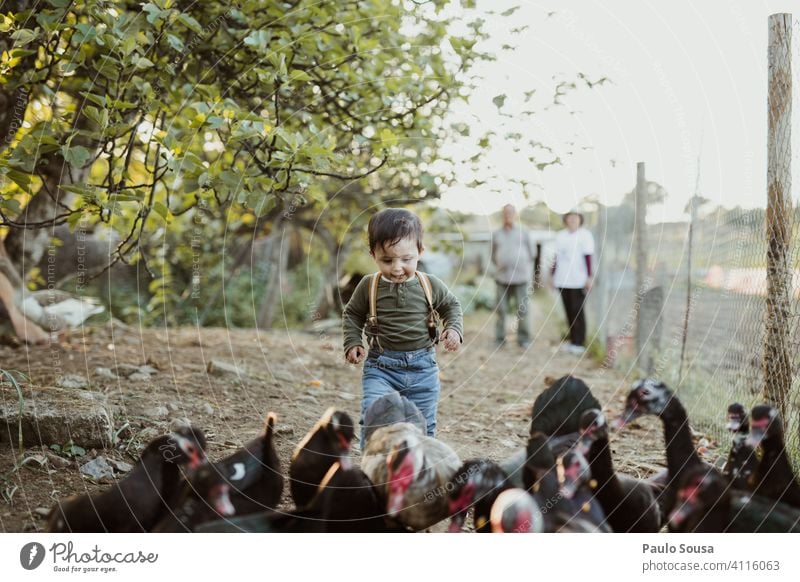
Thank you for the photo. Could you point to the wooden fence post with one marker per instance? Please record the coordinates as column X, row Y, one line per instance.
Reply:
column 777, row 364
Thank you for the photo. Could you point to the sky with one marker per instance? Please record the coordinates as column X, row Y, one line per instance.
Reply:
column 688, row 81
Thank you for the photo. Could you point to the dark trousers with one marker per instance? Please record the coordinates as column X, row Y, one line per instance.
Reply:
column 573, row 304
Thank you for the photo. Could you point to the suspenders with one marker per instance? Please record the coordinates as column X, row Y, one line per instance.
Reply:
column 373, row 331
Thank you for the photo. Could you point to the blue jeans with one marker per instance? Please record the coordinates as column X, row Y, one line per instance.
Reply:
column 414, row 375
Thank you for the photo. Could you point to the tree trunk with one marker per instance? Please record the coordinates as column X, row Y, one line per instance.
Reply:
column 278, row 258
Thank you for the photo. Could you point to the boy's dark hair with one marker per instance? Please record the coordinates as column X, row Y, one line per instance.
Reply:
column 391, row 225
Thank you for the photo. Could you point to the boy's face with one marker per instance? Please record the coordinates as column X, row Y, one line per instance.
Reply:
column 397, row 262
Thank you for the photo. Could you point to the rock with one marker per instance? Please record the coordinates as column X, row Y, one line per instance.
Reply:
column 56, row 461
column 72, row 382
column 98, row 469
column 206, row 408
column 138, row 377
column 284, row 429
column 126, row 370
column 53, row 415
column 172, row 406
column 42, row 511
column 149, row 370
column 180, row 422
column 308, row 398
column 347, row 396
column 157, row 412
column 220, row 368
column 120, row 466
column 509, row 443
column 283, row 375
column 105, row 373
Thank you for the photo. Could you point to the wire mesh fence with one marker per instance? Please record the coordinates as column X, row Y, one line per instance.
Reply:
column 719, row 293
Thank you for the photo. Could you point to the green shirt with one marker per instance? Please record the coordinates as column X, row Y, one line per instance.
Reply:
column 402, row 313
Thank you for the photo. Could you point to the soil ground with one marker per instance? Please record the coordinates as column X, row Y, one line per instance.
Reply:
column 484, row 411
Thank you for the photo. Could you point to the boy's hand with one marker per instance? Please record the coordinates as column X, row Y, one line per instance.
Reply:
column 451, row 340
column 355, row 355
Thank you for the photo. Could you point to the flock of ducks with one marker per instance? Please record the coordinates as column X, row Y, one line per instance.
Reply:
column 561, row 480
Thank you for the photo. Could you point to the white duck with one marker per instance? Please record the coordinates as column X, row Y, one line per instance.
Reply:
column 412, row 471
column 52, row 309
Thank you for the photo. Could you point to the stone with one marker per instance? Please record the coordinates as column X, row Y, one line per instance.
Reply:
column 42, row 511
column 72, row 382
column 284, row 429
column 138, row 377
column 56, row 461
column 149, row 370
column 105, row 373
column 120, row 466
column 157, row 412
column 283, row 376
column 98, row 469
column 172, row 406
column 347, row 396
column 220, row 368
column 180, row 422
column 126, row 370
column 206, row 408
column 308, row 398
column 53, row 415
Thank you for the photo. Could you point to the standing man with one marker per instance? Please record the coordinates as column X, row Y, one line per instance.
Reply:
column 572, row 275
column 512, row 257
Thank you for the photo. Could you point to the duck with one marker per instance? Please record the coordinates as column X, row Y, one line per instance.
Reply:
column 556, row 412
column 540, row 477
column 254, row 472
column 476, row 484
column 53, row 310
column 346, row 502
column 411, row 471
column 706, row 503
column 742, row 462
column 516, row 511
column 139, row 501
column 650, row 396
column 326, row 443
column 204, row 496
column 774, row 477
column 392, row 408
column 629, row 504
column 577, row 488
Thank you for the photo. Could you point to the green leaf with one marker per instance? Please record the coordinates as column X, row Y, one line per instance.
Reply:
column 144, row 63
column 100, row 117
column 190, row 23
column 162, row 211
column 298, row 75
column 96, row 99
column 24, row 36
column 76, row 156
column 387, row 137
column 22, row 180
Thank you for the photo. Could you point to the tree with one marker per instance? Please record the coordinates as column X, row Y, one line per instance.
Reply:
column 158, row 119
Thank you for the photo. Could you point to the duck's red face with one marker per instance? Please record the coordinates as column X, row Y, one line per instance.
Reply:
column 687, row 501
column 400, row 476
column 459, row 506
column 194, row 454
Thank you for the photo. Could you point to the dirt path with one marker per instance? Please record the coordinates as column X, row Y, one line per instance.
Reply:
column 484, row 410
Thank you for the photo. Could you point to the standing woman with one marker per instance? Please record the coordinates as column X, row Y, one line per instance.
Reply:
column 572, row 275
